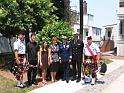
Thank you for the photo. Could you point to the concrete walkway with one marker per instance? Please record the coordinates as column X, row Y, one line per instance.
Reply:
column 117, row 86
column 72, row 86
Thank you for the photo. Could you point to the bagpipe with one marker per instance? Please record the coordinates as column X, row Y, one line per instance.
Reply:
column 100, row 67
column 14, row 67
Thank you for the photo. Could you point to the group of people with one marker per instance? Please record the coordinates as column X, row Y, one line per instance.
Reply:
column 52, row 56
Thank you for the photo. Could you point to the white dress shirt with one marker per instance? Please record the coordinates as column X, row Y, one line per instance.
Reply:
column 94, row 48
column 20, row 46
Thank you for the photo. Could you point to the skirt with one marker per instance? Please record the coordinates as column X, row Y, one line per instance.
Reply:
column 54, row 66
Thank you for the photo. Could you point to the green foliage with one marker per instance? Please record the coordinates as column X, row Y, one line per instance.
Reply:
column 57, row 28
column 106, row 60
column 26, row 15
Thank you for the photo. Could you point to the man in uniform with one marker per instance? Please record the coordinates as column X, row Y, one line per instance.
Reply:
column 20, row 56
column 77, row 52
column 65, row 57
column 92, row 52
column 32, row 56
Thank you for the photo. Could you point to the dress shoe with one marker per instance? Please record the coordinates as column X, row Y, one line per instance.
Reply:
column 29, row 84
column 35, row 83
column 83, row 77
column 63, row 79
column 74, row 78
column 78, row 80
column 67, row 81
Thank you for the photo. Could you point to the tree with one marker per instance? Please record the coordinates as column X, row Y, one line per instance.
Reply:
column 62, row 9
column 26, row 15
column 57, row 28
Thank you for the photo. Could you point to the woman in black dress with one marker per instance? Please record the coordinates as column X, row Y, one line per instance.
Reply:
column 44, row 55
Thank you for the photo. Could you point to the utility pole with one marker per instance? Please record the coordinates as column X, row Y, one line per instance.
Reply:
column 81, row 19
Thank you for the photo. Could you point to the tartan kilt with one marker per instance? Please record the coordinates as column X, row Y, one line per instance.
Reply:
column 21, row 68
column 91, row 67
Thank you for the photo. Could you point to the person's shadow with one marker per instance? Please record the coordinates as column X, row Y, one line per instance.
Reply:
column 100, row 82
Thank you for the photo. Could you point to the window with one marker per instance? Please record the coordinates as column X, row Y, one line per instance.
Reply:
column 97, row 42
column 121, row 27
column 78, row 30
column 86, row 33
column 121, row 3
column 96, row 31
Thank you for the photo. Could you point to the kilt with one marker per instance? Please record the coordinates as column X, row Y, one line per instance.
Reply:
column 21, row 68
column 91, row 67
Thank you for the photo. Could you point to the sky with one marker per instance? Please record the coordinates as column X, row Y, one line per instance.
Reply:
column 104, row 11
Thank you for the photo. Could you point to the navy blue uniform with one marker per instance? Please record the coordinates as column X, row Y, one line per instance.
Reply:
column 77, row 51
column 65, row 54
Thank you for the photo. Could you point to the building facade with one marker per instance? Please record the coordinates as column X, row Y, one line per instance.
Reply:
column 88, row 25
column 120, row 33
column 111, row 33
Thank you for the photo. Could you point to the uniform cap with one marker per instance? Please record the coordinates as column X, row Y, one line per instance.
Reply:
column 75, row 33
column 64, row 37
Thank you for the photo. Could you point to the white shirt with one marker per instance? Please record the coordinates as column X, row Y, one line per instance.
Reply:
column 94, row 48
column 20, row 46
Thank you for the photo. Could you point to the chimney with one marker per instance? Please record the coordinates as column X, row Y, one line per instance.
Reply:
column 84, row 7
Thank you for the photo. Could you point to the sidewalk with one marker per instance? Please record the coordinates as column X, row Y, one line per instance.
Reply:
column 72, row 86
column 117, row 86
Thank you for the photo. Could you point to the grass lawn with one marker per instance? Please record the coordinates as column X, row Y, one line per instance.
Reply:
column 8, row 86
column 106, row 60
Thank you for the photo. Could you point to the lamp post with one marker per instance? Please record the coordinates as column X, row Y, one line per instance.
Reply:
column 81, row 19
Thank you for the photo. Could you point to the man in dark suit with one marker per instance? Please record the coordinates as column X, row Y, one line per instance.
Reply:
column 65, row 56
column 77, row 52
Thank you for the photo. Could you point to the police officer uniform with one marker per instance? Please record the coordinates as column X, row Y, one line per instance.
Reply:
column 65, row 56
column 77, row 51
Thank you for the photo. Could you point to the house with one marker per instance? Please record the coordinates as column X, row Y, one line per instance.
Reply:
column 110, row 38
column 88, row 25
column 120, row 33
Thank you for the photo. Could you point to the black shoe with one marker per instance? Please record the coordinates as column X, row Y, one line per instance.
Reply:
column 92, row 84
column 35, row 83
column 78, row 80
column 67, row 81
column 63, row 79
column 29, row 84
column 73, row 79
column 83, row 78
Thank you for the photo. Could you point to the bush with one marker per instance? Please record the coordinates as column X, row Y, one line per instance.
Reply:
column 105, row 60
column 57, row 28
